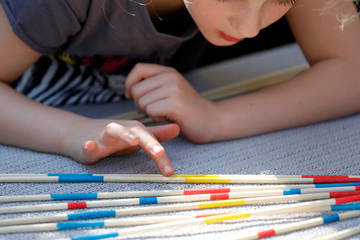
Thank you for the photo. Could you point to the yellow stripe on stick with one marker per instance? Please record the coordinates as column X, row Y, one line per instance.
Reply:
column 196, row 175
column 207, row 180
column 225, row 217
column 225, row 203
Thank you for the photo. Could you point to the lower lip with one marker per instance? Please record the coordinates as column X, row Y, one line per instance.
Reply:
column 229, row 38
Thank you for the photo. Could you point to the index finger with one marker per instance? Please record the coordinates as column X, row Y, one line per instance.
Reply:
column 154, row 149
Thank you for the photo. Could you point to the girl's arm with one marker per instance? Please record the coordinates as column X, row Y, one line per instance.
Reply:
column 329, row 89
column 28, row 124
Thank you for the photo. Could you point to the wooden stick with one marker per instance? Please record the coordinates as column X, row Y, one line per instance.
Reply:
column 172, row 199
column 254, row 83
column 253, row 176
column 250, row 176
column 342, row 234
column 310, row 179
column 206, row 192
column 104, row 223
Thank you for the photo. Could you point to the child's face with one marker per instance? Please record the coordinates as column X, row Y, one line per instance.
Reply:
column 225, row 22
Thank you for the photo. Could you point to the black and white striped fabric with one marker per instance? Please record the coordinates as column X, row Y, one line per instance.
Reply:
column 56, row 83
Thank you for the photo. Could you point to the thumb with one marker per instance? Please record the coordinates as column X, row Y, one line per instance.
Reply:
column 166, row 132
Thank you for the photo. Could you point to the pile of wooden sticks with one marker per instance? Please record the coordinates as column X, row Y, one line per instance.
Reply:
column 305, row 192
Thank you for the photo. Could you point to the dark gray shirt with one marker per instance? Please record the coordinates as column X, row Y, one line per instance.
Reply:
column 91, row 27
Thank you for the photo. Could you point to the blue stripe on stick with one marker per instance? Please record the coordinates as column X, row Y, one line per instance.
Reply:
column 331, row 218
column 291, row 191
column 75, row 225
column 74, row 196
column 81, row 178
column 100, row 236
column 343, row 207
column 88, row 215
column 337, row 185
column 148, row 200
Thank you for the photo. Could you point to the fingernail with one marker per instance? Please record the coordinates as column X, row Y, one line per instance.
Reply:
column 157, row 149
column 130, row 137
column 167, row 170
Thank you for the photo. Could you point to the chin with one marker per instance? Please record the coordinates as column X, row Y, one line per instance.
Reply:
column 222, row 43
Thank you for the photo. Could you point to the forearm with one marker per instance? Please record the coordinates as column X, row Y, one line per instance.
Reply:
column 329, row 89
column 28, row 124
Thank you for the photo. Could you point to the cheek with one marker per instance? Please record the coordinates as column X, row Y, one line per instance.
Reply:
column 204, row 13
column 274, row 15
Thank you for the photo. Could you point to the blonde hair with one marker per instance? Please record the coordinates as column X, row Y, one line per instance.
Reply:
column 344, row 17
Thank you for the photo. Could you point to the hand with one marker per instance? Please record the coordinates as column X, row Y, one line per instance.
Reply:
column 162, row 93
column 99, row 139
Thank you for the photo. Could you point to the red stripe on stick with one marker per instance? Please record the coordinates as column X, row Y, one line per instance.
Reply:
column 334, row 180
column 266, row 233
column 206, row 191
column 324, row 176
column 219, row 196
column 343, row 193
column 77, row 205
column 348, row 199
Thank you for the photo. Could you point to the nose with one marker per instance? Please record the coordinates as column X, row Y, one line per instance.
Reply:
column 247, row 20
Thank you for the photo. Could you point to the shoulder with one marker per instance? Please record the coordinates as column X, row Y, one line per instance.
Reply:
column 43, row 24
column 41, row 7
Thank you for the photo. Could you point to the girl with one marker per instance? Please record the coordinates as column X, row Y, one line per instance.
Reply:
column 133, row 31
